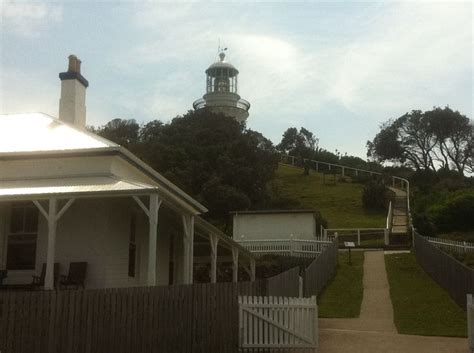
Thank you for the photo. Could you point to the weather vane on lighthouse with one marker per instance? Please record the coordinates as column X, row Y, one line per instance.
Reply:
column 221, row 90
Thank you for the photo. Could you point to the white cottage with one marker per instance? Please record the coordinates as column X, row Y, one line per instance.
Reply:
column 67, row 195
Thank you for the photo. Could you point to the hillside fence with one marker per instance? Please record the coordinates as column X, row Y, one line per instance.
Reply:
column 456, row 278
column 321, row 270
column 361, row 237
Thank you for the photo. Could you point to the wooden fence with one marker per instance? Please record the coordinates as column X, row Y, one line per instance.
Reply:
column 470, row 322
column 449, row 273
column 278, row 323
column 321, row 270
column 188, row 318
column 285, row 284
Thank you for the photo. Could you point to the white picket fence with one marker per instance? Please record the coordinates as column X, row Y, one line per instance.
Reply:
column 461, row 247
column 287, row 247
column 470, row 322
column 278, row 323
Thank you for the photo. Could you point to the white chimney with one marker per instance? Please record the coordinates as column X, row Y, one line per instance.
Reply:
column 72, row 104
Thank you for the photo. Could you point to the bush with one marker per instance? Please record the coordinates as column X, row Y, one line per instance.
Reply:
column 455, row 212
column 375, row 196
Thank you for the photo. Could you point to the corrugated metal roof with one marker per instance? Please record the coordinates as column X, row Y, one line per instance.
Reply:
column 33, row 132
column 80, row 186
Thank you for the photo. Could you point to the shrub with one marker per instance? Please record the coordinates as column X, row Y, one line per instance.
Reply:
column 375, row 195
column 455, row 212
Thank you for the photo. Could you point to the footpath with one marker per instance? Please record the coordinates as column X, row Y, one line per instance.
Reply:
column 374, row 331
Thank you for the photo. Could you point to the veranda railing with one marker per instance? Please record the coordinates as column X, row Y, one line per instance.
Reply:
column 288, row 247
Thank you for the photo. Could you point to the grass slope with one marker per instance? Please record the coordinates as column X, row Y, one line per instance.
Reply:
column 340, row 204
column 421, row 306
column 342, row 297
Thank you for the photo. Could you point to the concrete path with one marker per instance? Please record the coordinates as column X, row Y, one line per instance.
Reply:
column 374, row 330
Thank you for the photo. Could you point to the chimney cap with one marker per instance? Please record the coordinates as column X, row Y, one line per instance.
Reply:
column 74, row 64
column 74, row 71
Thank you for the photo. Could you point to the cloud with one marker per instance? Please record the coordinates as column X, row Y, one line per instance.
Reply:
column 22, row 92
column 26, row 18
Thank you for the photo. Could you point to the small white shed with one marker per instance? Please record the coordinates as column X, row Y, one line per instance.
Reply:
column 274, row 225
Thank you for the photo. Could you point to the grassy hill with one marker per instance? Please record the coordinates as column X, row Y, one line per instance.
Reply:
column 340, row 204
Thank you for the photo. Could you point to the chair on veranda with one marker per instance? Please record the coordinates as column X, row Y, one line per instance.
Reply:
column 76, row 275
column 3, row 275
column 38, row 281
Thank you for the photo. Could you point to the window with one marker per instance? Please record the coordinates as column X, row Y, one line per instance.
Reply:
column 132, row 248
column 23, row 232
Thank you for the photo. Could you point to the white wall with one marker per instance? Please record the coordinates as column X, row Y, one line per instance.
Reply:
column 274, row 226
column 54, row 167
column 97, row 231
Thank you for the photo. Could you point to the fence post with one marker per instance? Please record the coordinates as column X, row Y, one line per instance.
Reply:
column 343, row 171
column 317, row 166
column 300, row 287
column 465, row 248
column 413, row 237
column 358, row 237
column 325, row 234
column 385, row 234
column 316, row 328
column 470, row 319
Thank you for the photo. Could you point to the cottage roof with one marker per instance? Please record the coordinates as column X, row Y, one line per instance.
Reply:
column 71, row 186
column 37, row 134
column 33, row 132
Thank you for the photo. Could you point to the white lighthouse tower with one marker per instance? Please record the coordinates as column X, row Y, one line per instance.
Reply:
column 221, row 91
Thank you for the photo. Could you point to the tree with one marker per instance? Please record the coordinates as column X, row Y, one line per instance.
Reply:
column 210, row 156
column 300, row 143
column 454, row 136
column 121, row 131
column 425, row 140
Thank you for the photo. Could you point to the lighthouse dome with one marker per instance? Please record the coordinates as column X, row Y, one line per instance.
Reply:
column 215, row 68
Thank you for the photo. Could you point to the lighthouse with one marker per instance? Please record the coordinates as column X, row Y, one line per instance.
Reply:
column 221, row 91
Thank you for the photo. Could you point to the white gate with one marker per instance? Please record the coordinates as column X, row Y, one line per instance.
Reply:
column 276, row 322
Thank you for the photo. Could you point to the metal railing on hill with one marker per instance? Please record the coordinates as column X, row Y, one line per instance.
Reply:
column 396, row 182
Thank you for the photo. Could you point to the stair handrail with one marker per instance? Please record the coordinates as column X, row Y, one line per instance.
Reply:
column 389, row 217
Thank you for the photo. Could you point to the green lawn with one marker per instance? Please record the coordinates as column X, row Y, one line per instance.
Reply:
column 342, row 297
column 340, row 204
column 420, row 306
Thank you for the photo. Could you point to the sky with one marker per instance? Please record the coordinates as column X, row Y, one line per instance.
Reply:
column 339, row 69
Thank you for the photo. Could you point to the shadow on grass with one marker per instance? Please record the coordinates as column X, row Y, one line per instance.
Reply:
column 342, row 297
column 420, row 305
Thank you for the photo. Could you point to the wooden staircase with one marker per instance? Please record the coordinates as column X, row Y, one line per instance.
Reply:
column 400, row 220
